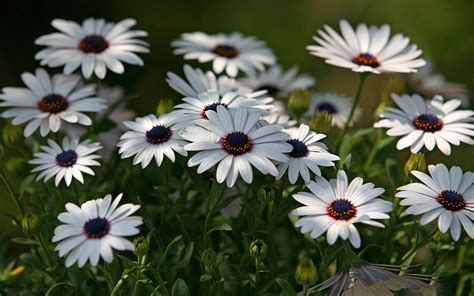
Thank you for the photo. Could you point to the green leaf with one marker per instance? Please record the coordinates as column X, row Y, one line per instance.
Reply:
column 180, row 288
column 24, row 241
column 286, row 287
column 53, row 287
column 186, row 258
column 24, row 185
column 205, row 278
column 191, row 225
column 221, row 227
column 165, row 253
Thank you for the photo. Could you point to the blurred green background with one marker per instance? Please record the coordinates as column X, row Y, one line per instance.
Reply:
column 443, row 29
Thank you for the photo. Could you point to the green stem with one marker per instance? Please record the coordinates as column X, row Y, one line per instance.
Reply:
column 373, row 152
column 421, row 244
column 362, row 77
column 45, row 249
column 305, row 290
column 119, row 284
column 12, row 194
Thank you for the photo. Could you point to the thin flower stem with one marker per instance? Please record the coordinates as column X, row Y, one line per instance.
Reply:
column 305, row 290
column 119, row 284
column 362, row 77
column 420, row 245
column 373, row 152
column 12, row 194
column 45, row 249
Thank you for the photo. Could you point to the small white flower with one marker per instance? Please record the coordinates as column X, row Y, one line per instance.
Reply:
column 307, row 155
column 94, row 46
column 278, row 83
column 94, row 229
column 151, row 137
column 335, row 206
column 232, row 139
column 278, row 115
column 194, row 108
column 232, row 52
column 336, row 105
column 427, row 123
column 68, row 161
column 47, row 101
column 446, row 195
column 367, row 49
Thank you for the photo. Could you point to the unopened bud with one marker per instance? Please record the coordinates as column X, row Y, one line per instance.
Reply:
column 208, row 257
column 299, row 102
column 321, row 122
column 141, row 246
column 266, row 194
column 306, row 273
column 29, row 223
column 164, row 106
column 416, row 162
column 258, row 249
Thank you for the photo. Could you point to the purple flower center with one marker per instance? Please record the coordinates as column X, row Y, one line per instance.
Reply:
column 366, row 59
column 53, row 103
column 326, row 107
column 299, row 148
column 96, row 228
column 225, row 50
column 271, row 89
column 212, row 107
column 237, row 143
column 66, row 158
column 93, row 44
column 428, row 123
column 341, row 209
column 451, row 200
column 158, row 134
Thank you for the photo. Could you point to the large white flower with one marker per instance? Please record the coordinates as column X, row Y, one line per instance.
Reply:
column 232, row 139
column 47, row 101
column 427, row 123
column 307, row 154
column 446, row 194
column 66, row 161
column 337, row 105
column 336, row 205
column 94, row 229
column 94, row 46
column 151, row 137
column 367, row 49
column 278, row 115
column 232, row 52
column 277, row 82
column 194, row 108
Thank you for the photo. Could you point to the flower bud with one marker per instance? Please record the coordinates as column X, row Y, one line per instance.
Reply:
column 164, row 106
column 29, row 223
column 258, row 249
column 321, row 122
column 306, row 273
column 416, row 162
column 266, row 194
column 141, row 246
column 299, row 102
column 208, row 257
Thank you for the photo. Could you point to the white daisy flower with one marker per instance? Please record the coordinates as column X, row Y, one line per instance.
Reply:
column 194, row 108
column 94, row 229
column 367, row 49
column 336, row 205
column 151, row 137
column 66, row 161
column 94, row 46
column 277, row 82
column 278, row 115
column 307, row 155
column 337, row 105
column 232, row 53
column 234, row 140
column 427, row 123
column 446, row 195
column 47, row 101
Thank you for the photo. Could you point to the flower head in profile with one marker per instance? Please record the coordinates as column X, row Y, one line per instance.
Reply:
column 278, row 115
column 335, row 206
column 151, row 137
column 230, row 52
column 307, row 155
column 367, row 49
column 232, row 140
column 67, row 161
column 47, row 101
column 444, row 194
column 95, row 228
column 277, row 82
column 95, row 46
column 431, row 124
column 338, row 106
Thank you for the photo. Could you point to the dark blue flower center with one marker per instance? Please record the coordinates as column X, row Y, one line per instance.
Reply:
column 212, row 107
column 66, row 158
column 53, row 103
column 326, row 107
column 271, row 89
column 451, row 200
column 96, row 228
column 237, row 143
column 93, row 44
column 158, row 134
column 341, row 209
column 225, row 50
column 366, row 59
column 299, row 148
column 428, row 123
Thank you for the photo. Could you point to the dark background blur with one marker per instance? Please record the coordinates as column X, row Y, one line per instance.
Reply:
column 443, row 29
